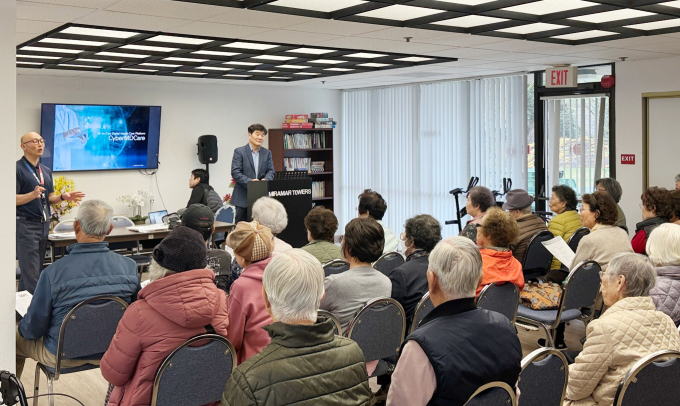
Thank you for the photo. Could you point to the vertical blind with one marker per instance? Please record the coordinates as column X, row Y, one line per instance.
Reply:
column 413, row 144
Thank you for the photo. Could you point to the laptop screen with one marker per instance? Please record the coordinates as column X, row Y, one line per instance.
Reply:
column 156, row 217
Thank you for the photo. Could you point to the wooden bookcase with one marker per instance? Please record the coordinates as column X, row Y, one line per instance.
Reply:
column 316, row 154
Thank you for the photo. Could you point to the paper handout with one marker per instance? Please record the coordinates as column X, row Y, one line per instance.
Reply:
column 23, row 301
column 560, row 250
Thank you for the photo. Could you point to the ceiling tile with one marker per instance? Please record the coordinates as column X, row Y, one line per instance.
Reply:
column 613, row 54
column 463, row 40
column 49, row 12
column 80, row 3
column 399, row 34
column 666, row 47
column 132, row 21
column 635, row 42
column 336, row 27
column 171, row 9
column 534, row 47
column 261, row 19
column 36, row 27
column 382, row 45
column 218, row 30
column 289, row 36
column 21, row 37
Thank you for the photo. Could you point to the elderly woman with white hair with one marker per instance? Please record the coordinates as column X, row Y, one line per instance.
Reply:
column 458, row 347
column 630, row 329
column 270, row 213
column 311, row 364
column 663, row 247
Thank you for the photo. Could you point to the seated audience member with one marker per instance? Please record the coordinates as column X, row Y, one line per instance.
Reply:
column 321, row 225
column 563, row 203
column 677, row 182
column 179, row 303
column 496, row 232
column 675, row 215
column 613, row 187
column 479, row 199
column 305, row 363
column 270, row 213
column 628, row 330
column 199, row 217
column 349, row 291
column 518, row 204
column 458, row 347
column 663, row 247
column 657, row 207
column 202, row 192
column 252, row 244
column 409, row 280
column 89, row 270
column 372, row 204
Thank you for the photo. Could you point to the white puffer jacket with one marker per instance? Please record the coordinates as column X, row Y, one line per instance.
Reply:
column 629, row 330
column 666, row 293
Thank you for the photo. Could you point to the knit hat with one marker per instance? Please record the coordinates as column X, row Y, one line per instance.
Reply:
column 251, row 241
column 517, row 199
column 182, row 250
column 199, row 217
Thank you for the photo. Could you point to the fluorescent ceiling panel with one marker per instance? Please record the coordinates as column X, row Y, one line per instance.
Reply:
column 53, row 50
column 328, row 61
column 274, row 57
column 656, row 25
column 179, row 40
column 213, row 68
column 615, row 15
column 400, row 12
column 324, row 6
column 179, row 72
column 72, row 42
column 149, row 48
column 293, row 66
column 138, row 70
column 162, row 65
column 585, row 35
column 544, row 7
column 38, row 57
column 243, row 63
column 306, row 73
column 98, row 32
column 68, row 65
column 339, row 69
column 280, row 77
column 365, row 55
column 311, row 51
column 176, row 59
column 374, row 65
column 232, row 75
column 414, row 59
column 250, row 45
column 122, row 55
column 262, row 71
column 467, row 2
column 30, row 63
column 470, row 21
column 675, row 4
column 532, row 28
column 216, row 53
column 98, row 60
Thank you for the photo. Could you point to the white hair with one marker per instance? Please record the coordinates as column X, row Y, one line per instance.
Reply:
column 457, row 263
column 663, row 245
column 677, row 177
column 94, row 217
column 270, row 213
column 157, row 272
column 293, row 282
column 638, row 271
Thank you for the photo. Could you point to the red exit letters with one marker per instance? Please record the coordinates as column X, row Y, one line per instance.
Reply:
column 627, row 159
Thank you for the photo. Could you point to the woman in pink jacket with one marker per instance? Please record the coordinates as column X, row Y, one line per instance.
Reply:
column 179, row 303
column 253, row 244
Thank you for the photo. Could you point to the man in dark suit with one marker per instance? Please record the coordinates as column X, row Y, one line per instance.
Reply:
column 250, row 163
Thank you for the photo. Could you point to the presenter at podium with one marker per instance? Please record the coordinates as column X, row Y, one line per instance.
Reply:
column 250, row 163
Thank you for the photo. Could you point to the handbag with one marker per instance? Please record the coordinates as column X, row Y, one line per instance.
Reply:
column 541, row 296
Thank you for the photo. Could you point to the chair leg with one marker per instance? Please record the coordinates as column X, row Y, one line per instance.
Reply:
column 36, row 384
column 50, row 389
column 550, row 335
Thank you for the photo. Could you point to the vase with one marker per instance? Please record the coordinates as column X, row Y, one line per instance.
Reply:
column 139, row 222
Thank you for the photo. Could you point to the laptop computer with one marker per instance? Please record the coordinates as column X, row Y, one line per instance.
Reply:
column 156, row 217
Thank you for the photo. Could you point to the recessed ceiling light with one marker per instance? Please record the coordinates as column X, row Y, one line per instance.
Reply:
column 414, row 59
column 339, row 69
column 162, row 65
column 311, row 51
column 30, row 63
column 242, row 63
column 327, row 61
column 213, row 68
column 467, row 2
column 262, row 71
column 374, row 65
column 122, row 55
column 585, row 35
column 178, row 40
column 293, row 66
column 98, row 61
column 400, row 12
column 179, row 72
column 70, row 65
column 675, row 4
column 38, row 57
column 544, row 7
column 250, row 45
column 176, row 59
column 274, row 57
column 656, row 25
column 148, row 48
column 324, row 6
column 615, row 15
column 306, row 73
column 216, row 53
column 98, row 32
column 73, row 42
column 470, row 21
column 532, row 28
column 280, row 77
column 53, row 50
column 365, row 55
column 232, row 75
column 138, row 70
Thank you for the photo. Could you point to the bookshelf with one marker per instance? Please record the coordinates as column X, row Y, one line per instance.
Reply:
column 278, row 145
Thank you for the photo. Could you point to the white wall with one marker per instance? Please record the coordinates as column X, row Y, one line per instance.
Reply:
column 189, row 109
column 633, row 79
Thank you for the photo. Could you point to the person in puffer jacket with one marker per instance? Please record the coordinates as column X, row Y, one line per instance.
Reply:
column 181, row 301
column 663, row 247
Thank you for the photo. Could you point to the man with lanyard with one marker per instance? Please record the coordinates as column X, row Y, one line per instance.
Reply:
column 35, row 194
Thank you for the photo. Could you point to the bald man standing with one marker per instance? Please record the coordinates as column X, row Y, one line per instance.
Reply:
column 35, row 194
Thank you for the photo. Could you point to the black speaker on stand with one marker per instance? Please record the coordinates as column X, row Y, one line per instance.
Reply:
column 207, row 150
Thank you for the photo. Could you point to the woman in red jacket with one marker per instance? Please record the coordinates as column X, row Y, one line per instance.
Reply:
column 181, row 300
column 657, row 207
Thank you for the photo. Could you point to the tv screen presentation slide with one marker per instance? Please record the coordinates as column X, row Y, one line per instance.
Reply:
column 98, row 137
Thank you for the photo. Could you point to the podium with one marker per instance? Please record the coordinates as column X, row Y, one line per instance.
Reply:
column 296, row 197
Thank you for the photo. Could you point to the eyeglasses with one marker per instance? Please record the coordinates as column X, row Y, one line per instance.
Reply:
column 35, row 141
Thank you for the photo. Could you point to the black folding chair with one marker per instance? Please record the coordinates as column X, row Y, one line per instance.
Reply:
column 194, row 376
column 653, row 380
column 143, row 261
column 388, row 261
column 543, row 380
column 424, row 307
column 493, row 394
column 337, row 329
column 575, row 238
column 502, row 298
column 537, row 258
column 335, row 266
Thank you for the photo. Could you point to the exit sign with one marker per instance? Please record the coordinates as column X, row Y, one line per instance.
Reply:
column 561, row 77
column 627, row 159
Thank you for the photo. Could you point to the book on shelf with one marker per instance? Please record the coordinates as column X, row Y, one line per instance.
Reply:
column 297, row 125
column 297, row 164
column 297, row 120
column 296, row 117
column 318, row 166
column 319, row 115
column 319, row 189
column 324, row 125
column 322, row 120
column 304, row 141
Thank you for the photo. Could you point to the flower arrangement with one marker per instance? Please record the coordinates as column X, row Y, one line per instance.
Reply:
column 63, row 185
column 227, row 198
column 136, row 202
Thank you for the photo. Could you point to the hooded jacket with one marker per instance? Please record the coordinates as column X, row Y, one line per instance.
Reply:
column 666, row 293
column 529, row 225
column 500, row 266
column 564, row 225
column 247, row 312
column 168, row 312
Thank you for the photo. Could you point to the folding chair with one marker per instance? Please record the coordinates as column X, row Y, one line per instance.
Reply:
column 379, row 328
column 85, row 333
column 335, row 266
column 579, row 290
column 388, row 261
column 537, row 258
column 64, row 226
column 194, row 375
column 653, row 380
column 337, row 330
column 143, row 261
column 502, row 298
column 424, row 307
column 575, row 238
column 493, row 394
column 543, row 380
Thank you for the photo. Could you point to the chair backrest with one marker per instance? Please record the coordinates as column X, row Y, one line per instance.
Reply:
column 576, row 237
column 122, row 221
column 537, row 257
column 225, row 214
column 493, row 394
column 88, row 328
column 335, row 266
column 502, row 298
column 388, row 261
column 543, row 380
column 379, row 328
column 337, row 330
column 653, row 380
column 64, row 226
column 581, row 286
column 424, row 307
column 194, row 375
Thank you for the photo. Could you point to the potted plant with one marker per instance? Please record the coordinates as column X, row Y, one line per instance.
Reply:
column 62, row 185
column 136, row 202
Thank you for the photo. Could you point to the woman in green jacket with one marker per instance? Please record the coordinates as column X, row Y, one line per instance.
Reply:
column 321, row 226
column 564, row 224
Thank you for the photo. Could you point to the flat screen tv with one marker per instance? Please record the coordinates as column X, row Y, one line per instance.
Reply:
column 86, row 137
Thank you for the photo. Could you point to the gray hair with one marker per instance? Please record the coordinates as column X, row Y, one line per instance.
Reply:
column 157, row 272
column 94, row 217
column 612, row 186
column 294, row 283
column 663, row 245
column 677, row 177
column 523, row 210
column 457, row 263
column 270, row 213
column 638, row 271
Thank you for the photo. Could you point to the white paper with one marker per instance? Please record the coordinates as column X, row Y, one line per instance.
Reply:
column 560, row 250
column 146, row 282
column 23, row 301
column 63, row 236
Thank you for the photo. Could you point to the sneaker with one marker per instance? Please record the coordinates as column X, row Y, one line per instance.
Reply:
column 560, row 345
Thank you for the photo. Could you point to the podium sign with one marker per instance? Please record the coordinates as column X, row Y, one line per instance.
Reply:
column 296, row 197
